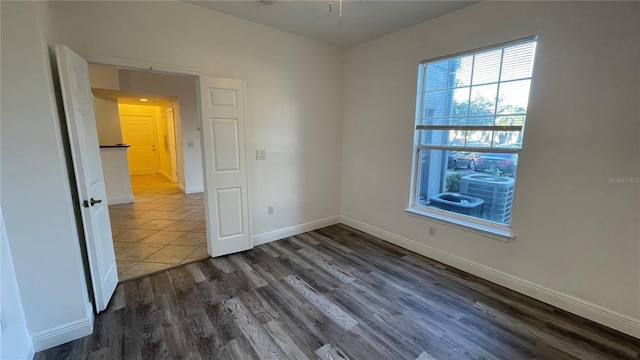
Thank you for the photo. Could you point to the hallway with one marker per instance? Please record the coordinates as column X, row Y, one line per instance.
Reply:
column 163, row 228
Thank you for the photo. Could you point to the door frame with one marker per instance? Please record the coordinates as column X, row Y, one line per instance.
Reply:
column 184, row 71
column 173, row 152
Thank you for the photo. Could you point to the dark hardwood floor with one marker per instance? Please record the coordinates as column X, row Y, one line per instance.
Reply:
column 334, row 293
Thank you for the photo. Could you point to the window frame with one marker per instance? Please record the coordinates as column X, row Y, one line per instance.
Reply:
column 470, row 223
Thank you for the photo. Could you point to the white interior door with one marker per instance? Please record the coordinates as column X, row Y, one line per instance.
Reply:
column 222, row 102
column 138, row 132
column 85, row 151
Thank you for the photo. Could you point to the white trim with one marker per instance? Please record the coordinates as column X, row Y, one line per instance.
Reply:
column 64, row 333
column 293, row 230
column 594, row 312
column 181, row 188
column 166, row 176
column 463, row 223
column 142, row 65
column 28, row 352
column 120, row 200
column 193, row 189
column 31, row 352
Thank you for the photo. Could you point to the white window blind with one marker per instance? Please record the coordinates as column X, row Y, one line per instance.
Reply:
column 483, row 93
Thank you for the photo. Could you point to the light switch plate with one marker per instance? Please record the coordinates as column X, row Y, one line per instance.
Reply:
column 261, row 154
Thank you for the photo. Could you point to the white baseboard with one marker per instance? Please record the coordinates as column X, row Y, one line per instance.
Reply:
column 31, row 352
column 194, row 189
column 166, row 176
column 597, row 313
column 18, row 350
column 120, row 200
column 294, row 230
column 64, row 333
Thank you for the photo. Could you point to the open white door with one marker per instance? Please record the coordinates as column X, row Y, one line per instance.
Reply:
column 222, row 102
column 85, row 151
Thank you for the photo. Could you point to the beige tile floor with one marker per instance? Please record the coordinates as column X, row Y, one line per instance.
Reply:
column 162, row 228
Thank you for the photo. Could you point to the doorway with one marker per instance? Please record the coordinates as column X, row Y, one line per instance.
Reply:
column 163, row 226
column 222, row 162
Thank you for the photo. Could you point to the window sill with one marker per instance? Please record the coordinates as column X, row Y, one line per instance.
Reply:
column 486, row 231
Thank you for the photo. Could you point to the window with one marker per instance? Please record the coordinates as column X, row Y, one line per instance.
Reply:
column 470, row 116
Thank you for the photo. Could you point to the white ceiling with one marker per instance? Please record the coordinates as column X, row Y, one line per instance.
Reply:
column 362, row 20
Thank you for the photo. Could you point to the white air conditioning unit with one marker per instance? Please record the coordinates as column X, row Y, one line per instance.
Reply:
column 496, row 191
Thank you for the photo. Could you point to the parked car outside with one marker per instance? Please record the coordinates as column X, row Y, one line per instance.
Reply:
column 506, row 163
column 459, row 159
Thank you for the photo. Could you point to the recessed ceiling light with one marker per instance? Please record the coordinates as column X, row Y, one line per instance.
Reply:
column 144, row 100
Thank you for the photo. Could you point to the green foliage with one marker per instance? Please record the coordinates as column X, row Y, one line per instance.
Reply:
column 495, row 171
column 453, row 182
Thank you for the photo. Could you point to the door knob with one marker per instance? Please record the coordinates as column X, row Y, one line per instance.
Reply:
column 94, row 201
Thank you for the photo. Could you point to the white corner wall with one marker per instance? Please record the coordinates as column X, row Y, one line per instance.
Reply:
column 107, row 121
column 577, row 241
column 294, row 88
column 36, row 194
column 15, row 342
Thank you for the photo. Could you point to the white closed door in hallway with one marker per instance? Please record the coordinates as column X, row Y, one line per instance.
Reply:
column 138, row 132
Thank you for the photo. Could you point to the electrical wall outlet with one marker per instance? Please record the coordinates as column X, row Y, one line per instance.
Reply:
column 270, row 210
column 432, row 231
column 261, row 154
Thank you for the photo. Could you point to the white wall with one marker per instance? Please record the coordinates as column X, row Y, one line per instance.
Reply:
column 576, row 234
column 107, row 121
column 294, row 88
column 117, row 178
column 36, row 194
column 104, row 77
column 15, row 342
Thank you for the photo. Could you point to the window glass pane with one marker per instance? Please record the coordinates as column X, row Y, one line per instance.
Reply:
column 431, row 170
column 481, row 138
column 478, row 139
column 437, row 74
column 513, row 97
column 479, row 185
column 510, row 120
column 456, row 138
column 486, row 67
column 434, row 137
column 500, row 164
column 518, row 62
column 481, row 120
column 483, row 100
column 461, row 68
column 434, row 104
column 459, row 99
column 507, row 139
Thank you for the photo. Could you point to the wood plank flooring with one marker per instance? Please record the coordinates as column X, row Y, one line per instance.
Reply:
column 334, row 293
